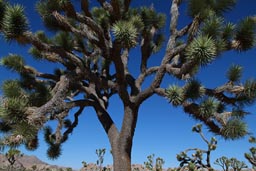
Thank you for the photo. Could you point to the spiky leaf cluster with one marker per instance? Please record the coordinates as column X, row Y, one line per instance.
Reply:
column 245, row 34
column 12, row 88
column 13, row 62
column 212, row 26
column 234, row 129
column 101, row 16
column 54, row 148
column 64, row 39
column 193, row 89
column 14, row 22
column 54, row 151
column 3, row 5
column 151, row 18
column 208, row 107
column 201, row 50
column 248, row 95
column 175, row 95
column 125, row 33
column 234, row 73
column 45, row 9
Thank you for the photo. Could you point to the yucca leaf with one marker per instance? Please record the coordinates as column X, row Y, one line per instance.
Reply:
column 198, row 7
column 208, row 107
column 12, row 89
column 13, row 62
column 224, row 6
column 65, row 40
column 125, row 33
column 228, row 31
column 45, row 9
column 54, row 151
column 14, row 109
column 245, row 34
column 151, row 18
column 25, row 129
column 14, row 22
column 201, row 50
column 3, row 5
column 234, row 73
column 193, row 89
column 101, row 16
column 234, row 129
column 212, row 26
column 175, row 95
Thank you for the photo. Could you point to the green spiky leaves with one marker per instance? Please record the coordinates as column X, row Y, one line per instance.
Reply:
column 245, row 34
column 125, row 33
column 64, row 39
column 201, row 50
column 45, row 9
column 234, row 73
column 54, row 151
column 151, row 18
column 175, row 95
column 193, row 89
column 13, row 62
column 234, row 129
column 208, row 107
column 3, row 6
column 14, row 22
column 12, row 89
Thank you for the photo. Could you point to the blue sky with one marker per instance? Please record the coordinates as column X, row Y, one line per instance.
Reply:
column 161, row 129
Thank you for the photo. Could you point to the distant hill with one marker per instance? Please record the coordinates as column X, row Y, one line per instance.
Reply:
column 30, row 161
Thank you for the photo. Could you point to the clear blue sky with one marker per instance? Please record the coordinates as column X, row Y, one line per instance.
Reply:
column 161, row 129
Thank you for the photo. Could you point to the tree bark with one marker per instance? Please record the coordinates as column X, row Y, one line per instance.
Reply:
column 122, row 149
column 121, row 141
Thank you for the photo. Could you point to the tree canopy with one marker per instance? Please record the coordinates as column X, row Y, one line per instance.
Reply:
column 92, row 47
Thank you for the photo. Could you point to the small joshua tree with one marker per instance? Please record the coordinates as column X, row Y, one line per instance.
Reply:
column 232, row 163
column 237, row 165
column 223, row 162
column 154, row 164
column 195, row 161
column 251, row 156
column 100, row 153
column 12, row 155
column 84, row 164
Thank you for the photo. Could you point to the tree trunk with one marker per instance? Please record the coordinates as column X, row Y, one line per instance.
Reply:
column 122, row 146
column 122, row 160
column 120, row 141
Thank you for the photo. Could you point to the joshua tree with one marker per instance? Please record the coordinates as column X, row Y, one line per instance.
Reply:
column 251, row 157
column 232, row 163
column 237, row 165
column 91, row 48
column 154, row 164
column 100, row 153
column 12, row 156
column 196, row 160
column 223, row 162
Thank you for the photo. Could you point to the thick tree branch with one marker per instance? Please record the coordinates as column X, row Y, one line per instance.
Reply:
column 54, row 49
column 85, row 8
column 63, row 22
column 193, row 109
